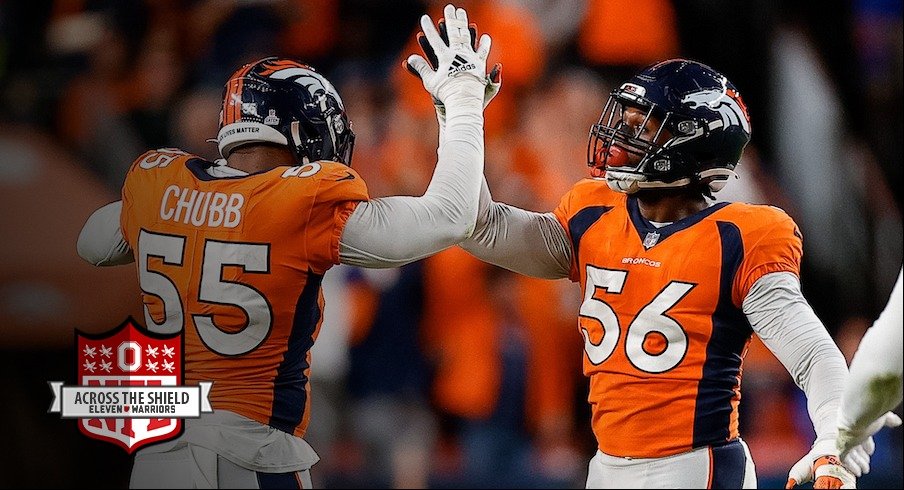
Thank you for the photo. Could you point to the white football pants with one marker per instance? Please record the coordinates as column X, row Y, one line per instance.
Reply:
column 192, row 466
column 727, row 466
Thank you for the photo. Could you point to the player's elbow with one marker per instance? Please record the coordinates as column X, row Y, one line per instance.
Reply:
column 95, row 253
column 461, row 227
column 452, row 219
column 453, row 233
column 87, row 247
column 472, row 218
column 100, row 242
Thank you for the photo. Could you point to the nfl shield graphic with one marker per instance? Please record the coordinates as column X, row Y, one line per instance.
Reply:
column 130, row 356
column 650, row 240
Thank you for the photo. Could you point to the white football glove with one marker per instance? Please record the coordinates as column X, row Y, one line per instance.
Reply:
column 821, row 467
column 493, row 78
column 457, row 64
column 852, row 441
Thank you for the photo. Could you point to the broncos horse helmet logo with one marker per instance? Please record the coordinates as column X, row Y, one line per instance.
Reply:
column 726, row 102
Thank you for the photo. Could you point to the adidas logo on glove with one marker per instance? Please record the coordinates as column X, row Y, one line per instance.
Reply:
column 460, row 64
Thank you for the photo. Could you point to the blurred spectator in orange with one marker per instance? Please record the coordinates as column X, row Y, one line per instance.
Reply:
column 502, row 372
column 552, row 372
column 628, row 33
column 388, row 379
column 766, row 418
column 549, row 150
column 409, row 141
column 370, row 118
column 194, row 122
column 92, row 116
column 311, row 28
column 461, row 334
column 517, row 43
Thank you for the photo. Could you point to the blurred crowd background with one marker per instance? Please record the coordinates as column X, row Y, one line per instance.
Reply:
column 447, row 372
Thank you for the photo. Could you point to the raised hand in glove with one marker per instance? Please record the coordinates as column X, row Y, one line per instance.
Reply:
column 458, row 62
column 492, row 80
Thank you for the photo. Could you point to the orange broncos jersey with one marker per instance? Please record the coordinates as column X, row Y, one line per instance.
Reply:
column 236, row 264
column 664, row 334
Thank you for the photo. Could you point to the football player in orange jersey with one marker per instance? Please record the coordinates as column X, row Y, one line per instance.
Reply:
column 232, row 252
column 674, row 286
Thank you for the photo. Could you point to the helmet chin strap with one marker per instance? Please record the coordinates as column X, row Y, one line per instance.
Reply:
column 621, row 181
column 296, row 142
column 625, row 187
column 718, row 177
column 296, row 135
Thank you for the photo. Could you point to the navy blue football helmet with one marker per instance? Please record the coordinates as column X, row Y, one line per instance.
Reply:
column 285, row 102
column 703, row 129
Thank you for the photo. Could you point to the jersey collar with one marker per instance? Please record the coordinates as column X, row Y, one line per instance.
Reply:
column 650, row 235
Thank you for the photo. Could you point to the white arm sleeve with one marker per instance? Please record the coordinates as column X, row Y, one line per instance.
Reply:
column 529, row 243
column 875, row 384
column 100, row 242
column 393, row 231
column 786, row 323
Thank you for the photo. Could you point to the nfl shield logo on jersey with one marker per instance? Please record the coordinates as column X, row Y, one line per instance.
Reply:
column 651, row 240
column 129, row 388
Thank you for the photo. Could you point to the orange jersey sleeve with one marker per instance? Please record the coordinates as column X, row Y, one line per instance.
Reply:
column 339, row 191
column 774, row 244
column 579, row 209
column 150, row 159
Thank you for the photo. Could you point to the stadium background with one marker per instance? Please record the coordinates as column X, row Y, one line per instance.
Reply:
column 446, row 372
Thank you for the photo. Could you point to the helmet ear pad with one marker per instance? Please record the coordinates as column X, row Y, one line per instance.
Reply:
column 285, row 102
column 322, row 132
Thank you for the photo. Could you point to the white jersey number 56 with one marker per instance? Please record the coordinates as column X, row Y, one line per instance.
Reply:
column 651, row 318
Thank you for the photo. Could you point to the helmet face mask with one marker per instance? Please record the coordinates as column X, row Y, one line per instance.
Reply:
column 677, row 123
column 632, row 154
column 284, row 102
